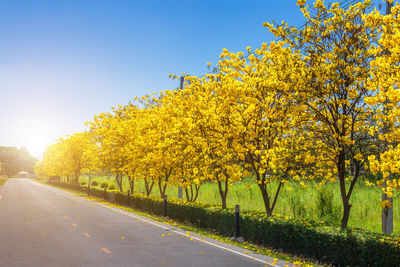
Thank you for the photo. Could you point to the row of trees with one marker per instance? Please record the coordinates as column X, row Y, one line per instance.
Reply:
column 319, row 105
column 14, row 160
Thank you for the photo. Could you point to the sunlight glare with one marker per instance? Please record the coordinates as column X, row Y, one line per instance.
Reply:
column 37, row 138
column 36, row 144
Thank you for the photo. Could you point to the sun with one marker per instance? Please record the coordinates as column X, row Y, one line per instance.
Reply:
column 36, row 145
column 36, row 141
column 35, row 132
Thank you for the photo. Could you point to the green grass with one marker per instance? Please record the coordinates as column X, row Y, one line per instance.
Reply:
column 314, row 202
column 3, row 181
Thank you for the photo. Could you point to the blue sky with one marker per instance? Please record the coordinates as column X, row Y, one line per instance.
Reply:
column 62, row 62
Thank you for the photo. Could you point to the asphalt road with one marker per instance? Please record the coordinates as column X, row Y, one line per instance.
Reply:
column 44, row 226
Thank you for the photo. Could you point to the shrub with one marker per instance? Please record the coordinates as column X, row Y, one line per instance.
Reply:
column 104, row 185
column 83, row 183
column 94, row 183
column 111, row 187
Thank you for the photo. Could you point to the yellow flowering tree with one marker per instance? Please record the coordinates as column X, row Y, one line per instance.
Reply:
column 69, row 156
column 263, row 113
column 112, row 136
column 53, row 163
column 129, row 128
column 211, row 124
column 77, row 154
column 160, row 140
column 385, row 100
column 336, row 47
column 178, row 107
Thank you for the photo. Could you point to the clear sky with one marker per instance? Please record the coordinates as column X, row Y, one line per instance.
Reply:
column 63, row 61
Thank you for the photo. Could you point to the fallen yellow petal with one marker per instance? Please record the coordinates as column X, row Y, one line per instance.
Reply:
column 106, row 250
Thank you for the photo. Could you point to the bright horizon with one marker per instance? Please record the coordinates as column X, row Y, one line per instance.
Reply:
column 62, row 62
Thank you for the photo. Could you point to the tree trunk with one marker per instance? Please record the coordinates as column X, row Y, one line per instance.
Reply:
column 131, row 183
column 148, row 186
column 223, row 199
column 197, row 188
column 264, row 194
column 276, row 197
column 346, row 214
column 118, row 178
column 77, row 178
column 269, row 207
column 341, row 167
column 187, row 194
column 162, row 187
column 223, row 193
column 193, row 193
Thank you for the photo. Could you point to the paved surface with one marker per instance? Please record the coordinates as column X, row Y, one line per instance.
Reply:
column 44, row 226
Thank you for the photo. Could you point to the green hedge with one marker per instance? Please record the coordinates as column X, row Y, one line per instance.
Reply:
column 312, row 239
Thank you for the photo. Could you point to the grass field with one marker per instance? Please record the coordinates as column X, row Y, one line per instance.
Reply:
column 3, row 181
column 313, row 202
